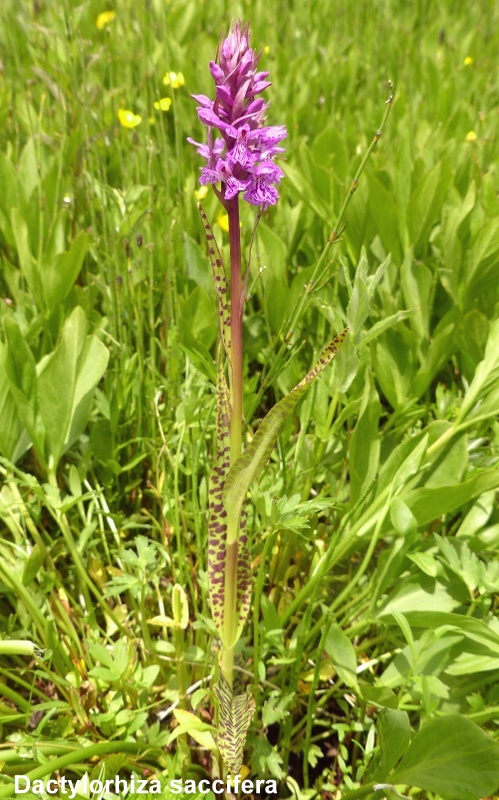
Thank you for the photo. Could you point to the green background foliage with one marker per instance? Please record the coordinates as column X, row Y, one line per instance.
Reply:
column 373, row 647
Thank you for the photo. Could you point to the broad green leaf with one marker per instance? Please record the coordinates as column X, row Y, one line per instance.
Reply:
column 57, row 381
column 426, row 563
column 188, row 723
column 482, row 399
column 394, row 732
column 394, row 367
column 66, row 382
column 28, row 169
column 305, row 190
column 452, row 756
column 14, row 439
column 195, row 264
column 451, row 466
column 235, row 715
column 404, row 462
column 341, row 652
column 471, row 339
column 8, row 195
column 385, row 214
column 363, row 452
column 383, row 325
column 329, row 149
column 60, row 274
column 401, row 517
column 416, row 281
column 440, row 350
column 360, row 297
column 475, row 661
column 21, row 372
column 419, row 597
column 197, row 327
column 273, row 261
column 425, row 204
column 273, row 254
column 476, row 630
column 479, row 514
column 92, row 364
column 483, row 273
column 452, row 244
column 428, row 504
column 27, row 261
column 252, row 461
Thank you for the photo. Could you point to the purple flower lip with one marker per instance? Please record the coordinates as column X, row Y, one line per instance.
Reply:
column 241, row 157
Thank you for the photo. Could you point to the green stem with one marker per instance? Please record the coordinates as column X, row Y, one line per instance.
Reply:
column 236, row 433
column 236, row 329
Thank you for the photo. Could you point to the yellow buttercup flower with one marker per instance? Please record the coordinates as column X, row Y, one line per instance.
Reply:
column 201, row 193
column 468, row 61
column 471, row 136
column 173, row 79
column 104, row 19
column 128, row 119
column 163, row 104
column 223, row 221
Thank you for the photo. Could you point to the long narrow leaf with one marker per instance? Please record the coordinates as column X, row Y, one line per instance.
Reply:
column 219, row 276
column 217, row 527
column 252, row 461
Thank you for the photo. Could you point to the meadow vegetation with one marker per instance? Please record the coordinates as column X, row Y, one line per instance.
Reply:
column 372, row 648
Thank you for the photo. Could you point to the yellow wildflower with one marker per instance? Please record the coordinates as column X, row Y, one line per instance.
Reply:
column 128, row 119
column 163, row 104
column 104, row 19
column 201, row 193
column 266, row 49
column 468, row 61
column 174, row 79
column 223, row 221
column 471, row 136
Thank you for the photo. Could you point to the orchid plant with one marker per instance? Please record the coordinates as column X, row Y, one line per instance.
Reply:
column 240, row 156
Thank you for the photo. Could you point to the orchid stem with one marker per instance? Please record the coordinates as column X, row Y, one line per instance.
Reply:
column 236, row 427
column 236, row 326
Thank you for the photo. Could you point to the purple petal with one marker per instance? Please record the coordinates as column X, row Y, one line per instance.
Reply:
column 210, row 118
column 217, row 72
column 204, row 101
column 224, row 96
column 261, row 193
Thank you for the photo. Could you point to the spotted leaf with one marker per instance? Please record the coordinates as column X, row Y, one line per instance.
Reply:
column 254, row 458
column 220, row 278
column 225, row 582
column 234, row 718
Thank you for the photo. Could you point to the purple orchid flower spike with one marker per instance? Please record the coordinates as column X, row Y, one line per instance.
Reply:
column 241, row 157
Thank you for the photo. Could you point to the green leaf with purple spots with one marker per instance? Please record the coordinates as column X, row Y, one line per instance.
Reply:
column 235, row 715
column 222, row 580
column 254, row 458
column 220, row 279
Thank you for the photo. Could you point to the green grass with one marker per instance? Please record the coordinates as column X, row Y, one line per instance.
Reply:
column 374, row 528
